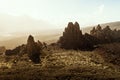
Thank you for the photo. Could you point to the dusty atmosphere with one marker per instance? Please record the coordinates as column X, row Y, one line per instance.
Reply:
column 59, row 40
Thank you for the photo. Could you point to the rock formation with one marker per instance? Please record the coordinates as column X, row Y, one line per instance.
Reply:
column 74, row 39
column 33, row 49
column 19, row 50
column 89, row 42
column 105, row 35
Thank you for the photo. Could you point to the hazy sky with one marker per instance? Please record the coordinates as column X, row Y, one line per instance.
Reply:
column 60, row 12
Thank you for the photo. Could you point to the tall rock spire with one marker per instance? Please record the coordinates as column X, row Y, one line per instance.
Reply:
column 72, row 36
column 33, row 50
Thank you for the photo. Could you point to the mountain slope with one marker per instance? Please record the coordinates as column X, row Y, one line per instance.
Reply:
column 113, row 25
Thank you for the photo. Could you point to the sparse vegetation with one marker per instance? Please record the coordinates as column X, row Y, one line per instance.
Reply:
column 62, row 64
column 105, row 35
column 64, row 60
column 110, row 52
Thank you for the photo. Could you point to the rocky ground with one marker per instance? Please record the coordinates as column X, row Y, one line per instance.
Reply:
column 60, row 65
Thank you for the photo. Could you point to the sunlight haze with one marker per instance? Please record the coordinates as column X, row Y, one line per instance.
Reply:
column 39, row 15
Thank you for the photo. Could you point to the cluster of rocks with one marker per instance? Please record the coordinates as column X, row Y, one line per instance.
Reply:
column 16, row 51
column 32, row 48
column 105, row 35
column 74, row 39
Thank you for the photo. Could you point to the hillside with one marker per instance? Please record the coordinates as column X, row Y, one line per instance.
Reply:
column 113, row 25
column 49, row 36
column 56, row 63
column 60, row 64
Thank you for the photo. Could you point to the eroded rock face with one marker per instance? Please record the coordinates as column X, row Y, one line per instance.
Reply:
column 33, row 49
column 89, row 42
column 74, row 39
column 105, row 35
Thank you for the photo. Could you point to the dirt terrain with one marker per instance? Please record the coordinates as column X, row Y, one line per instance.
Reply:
column 60, row 64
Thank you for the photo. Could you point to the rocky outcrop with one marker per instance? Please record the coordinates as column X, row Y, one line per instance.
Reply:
column 105, row 35
column 33, row 49
column 89, row 42
column 74, row 39
column 19, row 50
